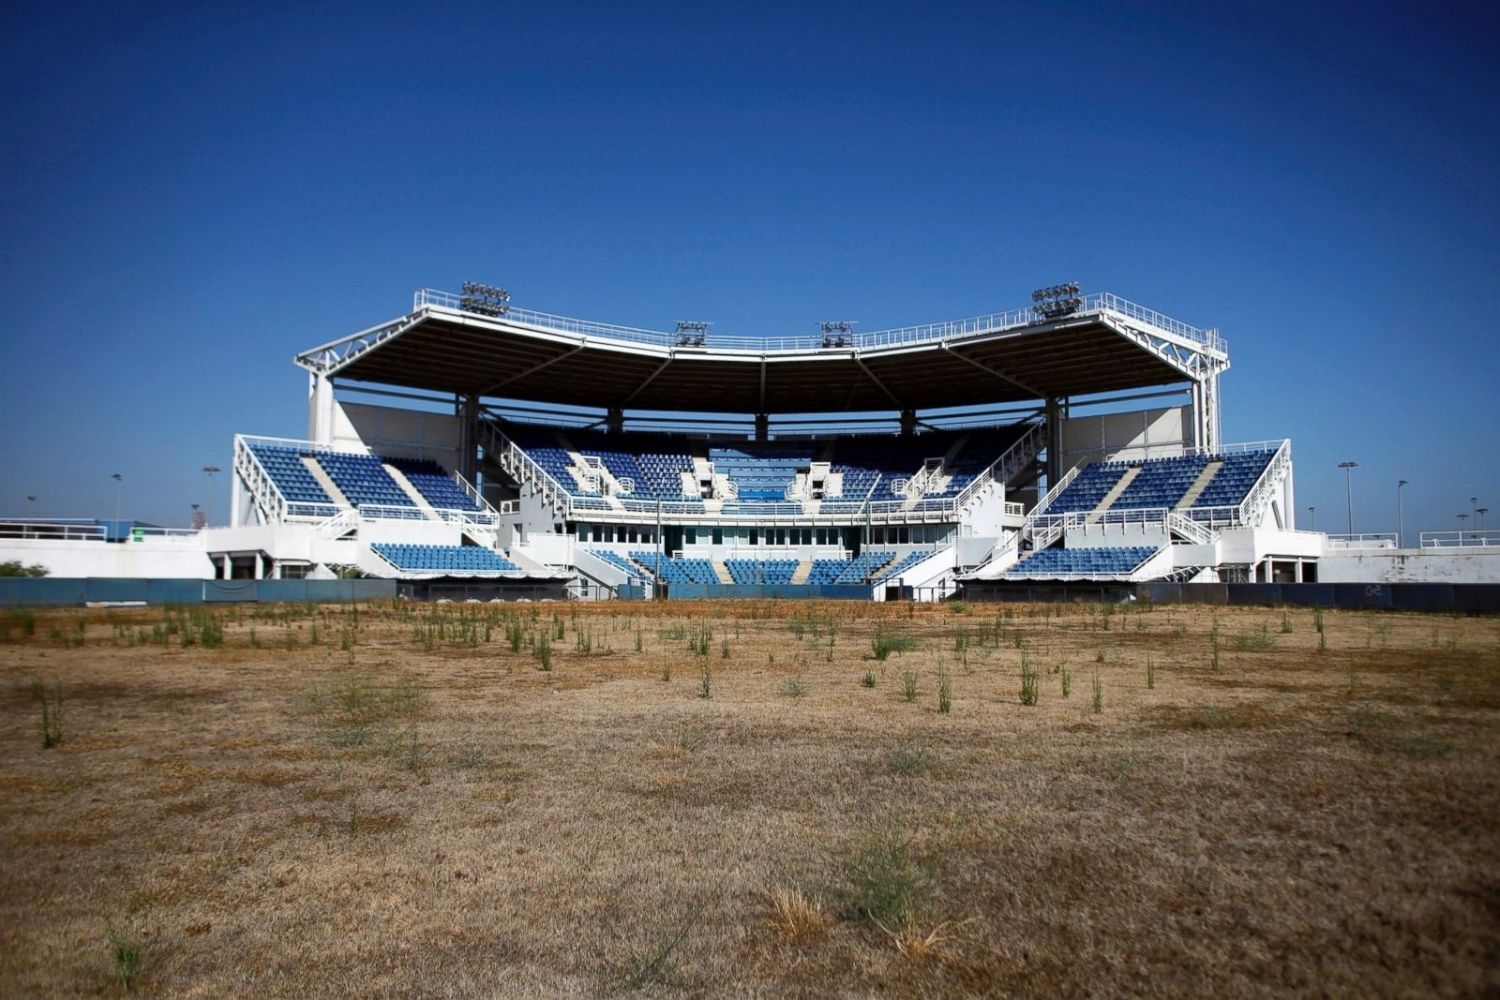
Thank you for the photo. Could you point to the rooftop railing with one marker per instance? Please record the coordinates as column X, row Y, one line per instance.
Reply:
column 1099, row 302
column 1454, row 539
column 1365, row 540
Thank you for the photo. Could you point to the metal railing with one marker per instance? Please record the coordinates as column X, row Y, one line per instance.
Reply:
column 1454, row 539
column 1363, row 540
column 425, row 298
column 1008, row 464
column 54, row 531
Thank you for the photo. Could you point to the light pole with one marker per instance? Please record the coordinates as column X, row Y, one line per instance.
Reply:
column 1461, row 519
column 1481, row 511
column 1349, row 491
column 1312, row 516
column 1400, row 520
column 31, row 504
column 210, row 469
column 119, row 482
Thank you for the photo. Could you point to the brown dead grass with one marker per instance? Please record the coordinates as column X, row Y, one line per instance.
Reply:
column 428, row 814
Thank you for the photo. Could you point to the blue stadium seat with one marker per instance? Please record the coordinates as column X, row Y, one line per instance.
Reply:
column 459, row 560
column 1058, row 563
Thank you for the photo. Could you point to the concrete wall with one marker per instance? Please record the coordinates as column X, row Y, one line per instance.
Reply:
column 1138, row 434
column 1477, row 564
column 392, row 431
column 165, row 556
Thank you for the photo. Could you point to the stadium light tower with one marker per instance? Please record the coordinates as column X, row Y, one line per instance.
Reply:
column 837, row 333
column 1057, row 300
column 210, row 469
column 1481, row 511
column 692, row 332
column 1349, row 491
column 486, row 300
column 1400, row 519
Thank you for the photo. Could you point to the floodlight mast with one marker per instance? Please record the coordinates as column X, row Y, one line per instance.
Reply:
column 1057, row 301
column 486, row 300
column 837, row 333
column 692, row 332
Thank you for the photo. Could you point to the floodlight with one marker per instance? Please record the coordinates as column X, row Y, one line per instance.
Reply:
column 692, row 332
column 486, row 300
column 1057, row 300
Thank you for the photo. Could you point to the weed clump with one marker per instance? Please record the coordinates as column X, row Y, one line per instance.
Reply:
column 887, row 882
column 796, row 916
column 885, row 643
column 909, row 686
column 50, row 702
column 1030, row 689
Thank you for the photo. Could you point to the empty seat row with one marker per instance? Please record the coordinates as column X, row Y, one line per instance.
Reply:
column 361, row 478
column 437, row 487
column 1062, row 562
column 762, row 570
column 870, row 466
column 459, row 559
column 1163, row 482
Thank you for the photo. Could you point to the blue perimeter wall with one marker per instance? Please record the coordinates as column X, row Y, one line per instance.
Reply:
column 1460, row 597
column 777, row 591
column 76, row 592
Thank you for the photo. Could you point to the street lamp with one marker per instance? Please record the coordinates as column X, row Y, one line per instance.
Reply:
column 1312, row 516
column 1400, row 520
column 1461, row 519
column 119, row 482
column 210, row 469
column 1349, row 491
column 1481, row 511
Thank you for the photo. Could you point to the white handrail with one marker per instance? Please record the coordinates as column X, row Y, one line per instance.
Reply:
column 1453, row 539
column 1098, row 302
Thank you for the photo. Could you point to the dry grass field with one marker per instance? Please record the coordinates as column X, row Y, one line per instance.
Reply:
column 743, row 799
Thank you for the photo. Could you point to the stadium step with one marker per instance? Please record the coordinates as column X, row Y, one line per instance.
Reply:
column 411, row 491
column 803, row 570
column 326, row 481
column 722, row 572
column 1199, row 485
column 1114, row 493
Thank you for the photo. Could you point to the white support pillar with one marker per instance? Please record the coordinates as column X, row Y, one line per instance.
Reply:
column 319, row 409
column 1054, row 441
column 1206, row 410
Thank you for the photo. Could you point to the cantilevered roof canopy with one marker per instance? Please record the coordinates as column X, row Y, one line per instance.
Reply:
column 1108, row 346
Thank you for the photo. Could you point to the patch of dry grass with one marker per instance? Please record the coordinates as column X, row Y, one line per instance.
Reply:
column 796, row 916
column 420, row 811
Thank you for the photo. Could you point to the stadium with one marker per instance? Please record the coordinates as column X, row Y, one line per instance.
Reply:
column 606, row 459
column 468, row 449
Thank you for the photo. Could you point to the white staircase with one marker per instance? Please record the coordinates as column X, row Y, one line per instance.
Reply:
column 326, row 481
column 1114, row 493
column 1199, row 485
column 411, row 491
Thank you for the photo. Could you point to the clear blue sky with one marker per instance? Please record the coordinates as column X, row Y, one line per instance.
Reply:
column 190, row 198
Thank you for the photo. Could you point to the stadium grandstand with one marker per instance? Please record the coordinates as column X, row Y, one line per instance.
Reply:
column 470, row 440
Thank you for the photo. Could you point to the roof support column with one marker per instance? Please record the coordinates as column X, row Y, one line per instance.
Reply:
column 908, row 423
column 614, row 419
column 468, row 437
column 762, row 426
column 1054, row 441
column 319, row 408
